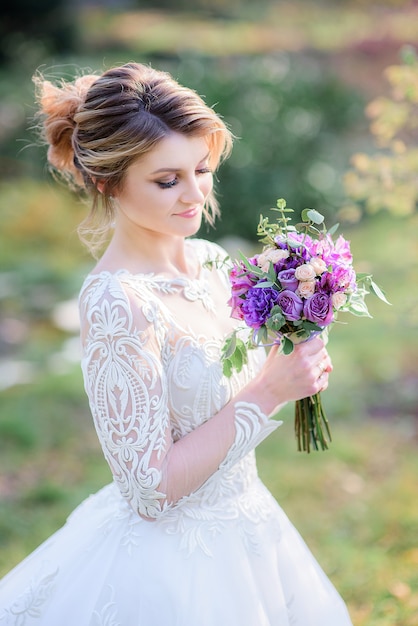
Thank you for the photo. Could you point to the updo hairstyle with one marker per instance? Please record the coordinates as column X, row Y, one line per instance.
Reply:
column 96, row 126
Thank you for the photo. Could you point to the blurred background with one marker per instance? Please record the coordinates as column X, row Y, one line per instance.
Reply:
column 323, row 99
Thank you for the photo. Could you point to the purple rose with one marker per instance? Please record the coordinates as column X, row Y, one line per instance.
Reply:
column 318, row 309
column 290, row 304
column 287, row 279
column 257, row 305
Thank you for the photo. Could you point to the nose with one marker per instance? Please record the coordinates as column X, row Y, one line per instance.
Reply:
column 194, row 190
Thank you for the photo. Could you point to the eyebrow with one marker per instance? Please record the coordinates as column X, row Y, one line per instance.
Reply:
column 176, row 169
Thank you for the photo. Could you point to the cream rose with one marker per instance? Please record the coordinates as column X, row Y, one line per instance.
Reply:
column 305, row 272
column 318, row 264
column 271, row 255
column 338, row 299
column 306, row 288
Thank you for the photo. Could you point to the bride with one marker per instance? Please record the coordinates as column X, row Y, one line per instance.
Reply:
column 186, row 534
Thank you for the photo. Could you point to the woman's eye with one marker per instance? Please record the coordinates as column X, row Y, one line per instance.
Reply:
column 204, row 170
column 168, row 184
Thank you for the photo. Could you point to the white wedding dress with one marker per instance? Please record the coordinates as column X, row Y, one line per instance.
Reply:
column 159, row 546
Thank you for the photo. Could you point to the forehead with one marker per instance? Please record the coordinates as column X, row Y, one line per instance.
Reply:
column 176, row 151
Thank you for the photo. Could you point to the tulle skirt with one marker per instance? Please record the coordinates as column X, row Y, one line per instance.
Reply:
column 107, row 567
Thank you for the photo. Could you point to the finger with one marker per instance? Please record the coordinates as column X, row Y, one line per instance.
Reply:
column 311, row 347
column 322, row 367
column 322, row 382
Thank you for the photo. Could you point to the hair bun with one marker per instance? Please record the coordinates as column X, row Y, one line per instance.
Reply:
column 58, row 105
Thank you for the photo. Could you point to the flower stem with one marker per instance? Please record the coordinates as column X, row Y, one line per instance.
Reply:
column 311, row 424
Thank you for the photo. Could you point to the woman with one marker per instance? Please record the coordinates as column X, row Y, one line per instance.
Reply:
column 186, row 534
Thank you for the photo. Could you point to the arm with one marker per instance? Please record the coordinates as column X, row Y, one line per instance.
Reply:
column 127, row 390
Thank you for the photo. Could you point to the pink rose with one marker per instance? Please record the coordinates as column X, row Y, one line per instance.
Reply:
column 338, row 299
column 318, row 264
column 306, row 288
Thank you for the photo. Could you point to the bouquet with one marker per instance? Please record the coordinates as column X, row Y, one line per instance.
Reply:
column 294, row 289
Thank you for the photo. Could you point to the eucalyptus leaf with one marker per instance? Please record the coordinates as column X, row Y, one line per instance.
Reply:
column 305, row 216
column 287, row 346
column 315, row 216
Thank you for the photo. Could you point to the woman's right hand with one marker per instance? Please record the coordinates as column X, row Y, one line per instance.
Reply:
column 300, row 374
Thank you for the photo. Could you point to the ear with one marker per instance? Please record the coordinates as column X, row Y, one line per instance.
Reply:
column 100, row 186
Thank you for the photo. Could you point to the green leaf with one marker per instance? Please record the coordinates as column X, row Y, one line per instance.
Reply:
column 314, row 216
column 281, row 203
column 287, row 346
column 263, row 284
column 227, row 368
column 293, row 243
column 234, row 354
column 363, row 277
column 272, row 273
column 237, row 360
column 358, row 307
column 251, row 268
column 229, row 346
column 304, row 215
column 311, row 326
column 261, row 336
column 333, row 229
column 378, row 292
column 275, row 322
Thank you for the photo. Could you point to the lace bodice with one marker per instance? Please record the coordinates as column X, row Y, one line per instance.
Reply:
column 164, row 413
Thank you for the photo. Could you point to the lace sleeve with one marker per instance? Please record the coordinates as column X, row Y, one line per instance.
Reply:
column 127, row 393
column 127, row 389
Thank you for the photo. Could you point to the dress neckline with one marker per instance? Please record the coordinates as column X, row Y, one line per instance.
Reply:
column 180, row 279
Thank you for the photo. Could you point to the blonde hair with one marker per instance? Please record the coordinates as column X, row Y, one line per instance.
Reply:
column 96, row 126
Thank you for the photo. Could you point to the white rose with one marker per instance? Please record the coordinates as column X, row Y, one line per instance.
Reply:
column 306, row 288
column 338, row 299
column 305, row 272
column 271, row 255
column 318, row 264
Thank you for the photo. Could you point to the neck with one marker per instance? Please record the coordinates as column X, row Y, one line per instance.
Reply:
column 149, row 253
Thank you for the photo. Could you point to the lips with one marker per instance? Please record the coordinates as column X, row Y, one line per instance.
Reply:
column 189, row 213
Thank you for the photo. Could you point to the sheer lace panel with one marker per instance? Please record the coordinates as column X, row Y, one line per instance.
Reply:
column 160, row 404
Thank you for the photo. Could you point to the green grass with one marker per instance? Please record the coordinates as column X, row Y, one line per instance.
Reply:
column 356, row 507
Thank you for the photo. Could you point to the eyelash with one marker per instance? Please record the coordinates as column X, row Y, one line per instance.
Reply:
column 173, row 183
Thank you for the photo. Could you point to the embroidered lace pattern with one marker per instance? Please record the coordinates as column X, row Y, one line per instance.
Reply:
column 151, row 379
column 33, row 600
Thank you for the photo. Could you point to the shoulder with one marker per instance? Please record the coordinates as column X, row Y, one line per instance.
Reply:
column 208, row 251
column 117, row 297
column 214, row 259
column 100, row 286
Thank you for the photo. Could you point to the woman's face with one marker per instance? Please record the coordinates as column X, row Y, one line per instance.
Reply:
column 164, row 192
